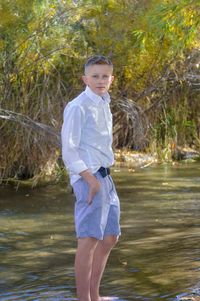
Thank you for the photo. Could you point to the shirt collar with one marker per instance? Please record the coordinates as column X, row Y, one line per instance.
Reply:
column 96, row 98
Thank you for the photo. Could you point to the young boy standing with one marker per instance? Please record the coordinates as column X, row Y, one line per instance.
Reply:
column 87, row 154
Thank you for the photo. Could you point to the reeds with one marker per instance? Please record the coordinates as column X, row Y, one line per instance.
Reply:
column 30, row 118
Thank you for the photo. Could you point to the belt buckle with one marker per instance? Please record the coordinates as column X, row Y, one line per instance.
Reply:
column 104, row 171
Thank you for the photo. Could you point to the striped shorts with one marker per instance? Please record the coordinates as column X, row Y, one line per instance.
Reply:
column 100, row 218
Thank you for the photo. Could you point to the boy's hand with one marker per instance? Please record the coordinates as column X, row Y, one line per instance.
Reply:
column 94, row 185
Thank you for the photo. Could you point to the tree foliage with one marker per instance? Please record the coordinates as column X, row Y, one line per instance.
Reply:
column 154, row 46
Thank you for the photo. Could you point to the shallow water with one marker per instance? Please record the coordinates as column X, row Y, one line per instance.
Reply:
column 157, row 257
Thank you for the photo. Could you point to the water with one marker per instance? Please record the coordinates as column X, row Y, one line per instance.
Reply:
column 157, row 257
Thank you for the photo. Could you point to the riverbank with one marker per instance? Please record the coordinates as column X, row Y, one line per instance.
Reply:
column 55, row 172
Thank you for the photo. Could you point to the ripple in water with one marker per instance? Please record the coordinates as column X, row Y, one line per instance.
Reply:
column 39, row 293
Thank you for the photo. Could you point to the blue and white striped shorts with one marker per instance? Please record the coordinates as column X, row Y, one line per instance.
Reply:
column 101, row 217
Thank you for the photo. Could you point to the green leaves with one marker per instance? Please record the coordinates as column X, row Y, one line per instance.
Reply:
column 176, row 21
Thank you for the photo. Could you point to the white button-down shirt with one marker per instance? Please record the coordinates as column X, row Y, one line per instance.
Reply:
column 87, row 134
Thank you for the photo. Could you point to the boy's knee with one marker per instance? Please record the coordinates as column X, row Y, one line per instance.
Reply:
column 109, row 241
column 114, row 240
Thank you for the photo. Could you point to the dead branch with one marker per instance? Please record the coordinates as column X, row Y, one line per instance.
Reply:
column 47, row 131
column 130, row 124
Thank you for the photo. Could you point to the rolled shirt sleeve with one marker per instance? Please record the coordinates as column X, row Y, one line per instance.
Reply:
column 70, row 137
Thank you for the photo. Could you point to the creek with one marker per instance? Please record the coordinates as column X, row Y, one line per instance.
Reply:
column 157, row 257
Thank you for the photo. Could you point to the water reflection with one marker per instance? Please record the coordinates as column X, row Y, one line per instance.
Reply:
column 157, row 257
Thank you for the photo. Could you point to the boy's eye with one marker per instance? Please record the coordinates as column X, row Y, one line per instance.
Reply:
column 97, row 76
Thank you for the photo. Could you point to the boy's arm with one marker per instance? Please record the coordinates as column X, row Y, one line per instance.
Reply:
column 93, row 183
column 70, row 136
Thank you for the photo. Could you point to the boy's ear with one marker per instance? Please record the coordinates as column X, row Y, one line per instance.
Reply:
column 84, row 79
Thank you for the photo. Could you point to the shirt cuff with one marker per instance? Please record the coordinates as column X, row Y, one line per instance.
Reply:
column 77, row 167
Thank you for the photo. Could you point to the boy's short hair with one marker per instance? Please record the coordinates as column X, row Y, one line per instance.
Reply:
column 98, row 60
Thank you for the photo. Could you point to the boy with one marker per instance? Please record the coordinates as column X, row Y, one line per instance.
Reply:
column 87, row 154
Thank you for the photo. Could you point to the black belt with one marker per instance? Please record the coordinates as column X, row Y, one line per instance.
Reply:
column 104, row 171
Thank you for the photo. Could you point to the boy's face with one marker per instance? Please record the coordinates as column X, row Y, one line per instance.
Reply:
column 98, row 78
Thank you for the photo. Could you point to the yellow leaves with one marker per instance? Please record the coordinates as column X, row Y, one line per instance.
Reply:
column 189, row 17
column 128, row 73
column 13, row 77
column 52, row 6
column 111, row 4
column 137, row 36
column 52, row 10
column 177, row 22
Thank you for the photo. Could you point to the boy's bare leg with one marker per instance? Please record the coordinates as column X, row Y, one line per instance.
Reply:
column 83, row 266
column 100, row 258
